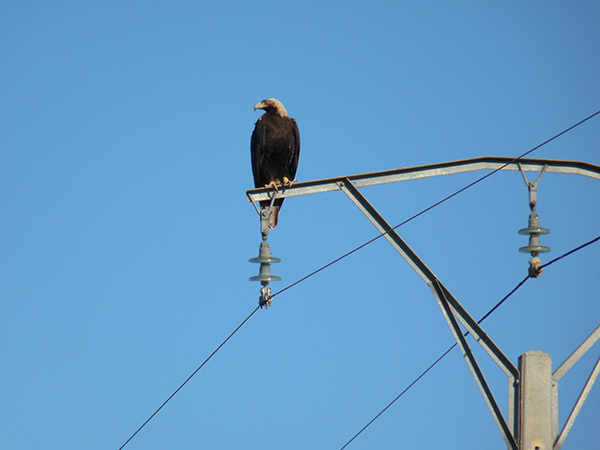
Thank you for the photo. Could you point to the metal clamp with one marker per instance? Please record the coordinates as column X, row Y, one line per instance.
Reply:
column 532, row 186
column 264, row 213
column 265, row 298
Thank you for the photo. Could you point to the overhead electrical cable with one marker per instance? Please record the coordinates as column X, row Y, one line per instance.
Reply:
column 189, row 378
column 572, row 251
column 433, row 364
column 348, row 254
column 521, row 283
column 437, row 203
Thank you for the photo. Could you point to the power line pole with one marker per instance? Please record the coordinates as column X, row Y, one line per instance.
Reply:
column 533, row 389
column 536, row 405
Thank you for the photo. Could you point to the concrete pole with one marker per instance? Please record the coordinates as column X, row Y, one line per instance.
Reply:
column 536, row 401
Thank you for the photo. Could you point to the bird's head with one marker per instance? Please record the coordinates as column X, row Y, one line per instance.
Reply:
column 271, row 105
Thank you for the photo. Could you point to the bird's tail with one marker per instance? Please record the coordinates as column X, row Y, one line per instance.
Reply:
column 274, row 217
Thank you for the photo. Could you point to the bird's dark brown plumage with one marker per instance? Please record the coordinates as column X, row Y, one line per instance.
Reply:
column 274, row 150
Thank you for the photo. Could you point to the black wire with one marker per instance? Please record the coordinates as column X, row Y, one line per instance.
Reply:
column 433, row 364
column 400, row 395
column 355, row 250
column 572, row 251
column 436, row 204
column 189, row 378
column 465, row 334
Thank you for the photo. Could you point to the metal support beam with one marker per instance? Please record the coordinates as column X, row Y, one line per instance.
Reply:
column 506, row 432
column 578, row 404
column 429, row 170
column 428, row 276
column 577, row 354
column 484, row 340
column 385, row 228
column 514, row 407
column 559, row 373
column 451, row 309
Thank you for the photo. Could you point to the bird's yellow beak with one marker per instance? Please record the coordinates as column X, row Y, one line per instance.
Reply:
column 260, row 105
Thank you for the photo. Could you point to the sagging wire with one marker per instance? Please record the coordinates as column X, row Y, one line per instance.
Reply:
column 270, row 297
column 436, row 204
column 189, row 378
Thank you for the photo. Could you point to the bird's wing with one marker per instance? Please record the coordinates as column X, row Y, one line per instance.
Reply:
column 256, row 152
column 295, row 154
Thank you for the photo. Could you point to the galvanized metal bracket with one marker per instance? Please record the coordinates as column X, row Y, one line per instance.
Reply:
column 532, row 186
column 264, row 213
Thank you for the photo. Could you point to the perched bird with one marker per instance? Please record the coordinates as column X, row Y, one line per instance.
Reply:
column 274, row 151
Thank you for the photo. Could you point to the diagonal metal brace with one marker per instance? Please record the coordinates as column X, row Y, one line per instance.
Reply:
column 474, row 367
column 577, row 354
column 578, row 404
column 428, row 276
column 532, row 186
column 477, row 332
column 563, row 369
column 450, row 307
column 381, row 224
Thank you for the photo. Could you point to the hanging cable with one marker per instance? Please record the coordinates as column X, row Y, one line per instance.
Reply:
column 572, row 251
column 521, row 283
column 437, row 203
column 433, row 364
column 188, row 378
column 400, row 395
column 348, row 254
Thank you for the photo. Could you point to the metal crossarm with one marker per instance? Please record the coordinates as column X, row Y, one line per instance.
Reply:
column 429, row 170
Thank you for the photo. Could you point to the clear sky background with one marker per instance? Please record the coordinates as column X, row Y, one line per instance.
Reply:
column 125, row 231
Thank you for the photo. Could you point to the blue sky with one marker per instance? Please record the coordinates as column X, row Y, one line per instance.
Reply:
column 126, row 235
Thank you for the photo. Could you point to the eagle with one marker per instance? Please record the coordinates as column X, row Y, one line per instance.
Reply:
column 274, row 151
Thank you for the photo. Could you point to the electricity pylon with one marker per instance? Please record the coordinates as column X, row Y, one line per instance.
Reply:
column 532, row 422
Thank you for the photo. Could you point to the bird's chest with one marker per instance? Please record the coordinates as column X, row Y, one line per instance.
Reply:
column 278, row 144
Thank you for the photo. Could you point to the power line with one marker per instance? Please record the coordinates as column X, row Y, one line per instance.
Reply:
column 437, row 203
column 521, row 283
column 393, row 401
column 572, row 251
column 348, row 254
column 400, row 395
column 433, row 364
column 189, row 378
